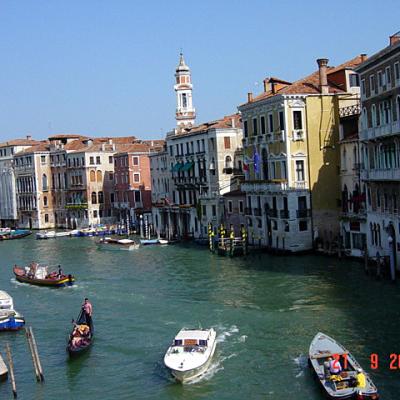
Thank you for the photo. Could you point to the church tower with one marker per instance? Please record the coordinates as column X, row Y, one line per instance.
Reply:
column 185, row 112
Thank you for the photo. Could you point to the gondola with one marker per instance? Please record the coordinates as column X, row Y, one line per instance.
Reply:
column 81, row 337
column 50, row 280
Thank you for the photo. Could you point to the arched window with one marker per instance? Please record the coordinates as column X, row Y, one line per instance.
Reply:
column 264, row 157
column 99, row 176
column 94, row 198
column 378, row 198
column 373, row 115
column 345, row 199
column 45, row 201
column 364, row 119
column 101, row 198
column 371, row 229
column 44, row 182
column 344, row 159
column 92, row 176
column 379, row 235
column 228, row 162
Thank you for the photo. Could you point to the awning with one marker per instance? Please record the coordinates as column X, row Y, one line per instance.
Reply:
column 177, row 167
column 187, row 166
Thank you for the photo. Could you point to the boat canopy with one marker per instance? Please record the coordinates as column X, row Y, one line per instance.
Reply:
column 193, row 334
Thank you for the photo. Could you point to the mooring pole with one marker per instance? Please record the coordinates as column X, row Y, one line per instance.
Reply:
column 11, row 367
column 39, row 365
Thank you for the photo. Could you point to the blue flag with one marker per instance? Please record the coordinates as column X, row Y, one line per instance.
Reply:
column 256, row 161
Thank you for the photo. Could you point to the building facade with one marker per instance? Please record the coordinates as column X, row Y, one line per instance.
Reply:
column 291, row 137
column 380, row 149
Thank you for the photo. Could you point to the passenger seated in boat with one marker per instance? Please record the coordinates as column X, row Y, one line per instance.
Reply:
column 334, row 366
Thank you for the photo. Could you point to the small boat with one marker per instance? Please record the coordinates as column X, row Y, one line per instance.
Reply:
column 17, row 234
column 108, row 243
column 81, row 337
column 10, row 320
column 3, row 369
column 46, row 235
column 147, row 242
column 190, row 353
column 63, row 234
column 37, row 274
column 338, row 386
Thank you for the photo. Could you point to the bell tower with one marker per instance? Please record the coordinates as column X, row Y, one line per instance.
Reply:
column 185, row 112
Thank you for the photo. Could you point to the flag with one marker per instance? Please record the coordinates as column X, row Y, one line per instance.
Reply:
column 256, row 160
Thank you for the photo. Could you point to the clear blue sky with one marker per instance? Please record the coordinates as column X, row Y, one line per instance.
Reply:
column 107, row 67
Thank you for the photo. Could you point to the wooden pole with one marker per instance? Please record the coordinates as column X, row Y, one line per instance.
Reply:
column 36, row 353
column 28, row 338
column 11, row 368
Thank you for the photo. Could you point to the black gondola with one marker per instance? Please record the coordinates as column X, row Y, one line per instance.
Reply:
column 82, row 335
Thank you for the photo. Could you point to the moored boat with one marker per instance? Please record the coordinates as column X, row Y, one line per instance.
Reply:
column 81, row 337
column 10, row 320
column 344, row 384
column 147, row 242
column 108, row 243
column 190, row 354
column 36, row 274
column 3, row 369
column 17, row 234
column 46, row 235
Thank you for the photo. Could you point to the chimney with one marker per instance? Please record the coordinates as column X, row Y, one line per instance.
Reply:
column 110, row 141
column 363, row 57
column 394, row 38
column 28, row 137
column 249, row 97
column 273, row 90
column 323, row 80
column 267, row 85
column 233, row 122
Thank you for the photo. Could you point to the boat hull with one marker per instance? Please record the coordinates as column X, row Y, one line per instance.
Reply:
column 46, row 282
column 12, row 324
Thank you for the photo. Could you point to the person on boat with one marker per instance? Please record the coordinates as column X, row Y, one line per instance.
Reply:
column 88, row 309
column 60, row 271
column 334, row 366
column 361, row 379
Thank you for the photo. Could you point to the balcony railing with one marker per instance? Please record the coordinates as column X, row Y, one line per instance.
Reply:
column 392, row 174
column 257, row 212
column 76, row 206
column 271, row 186
column 380, row 131
column 273, row 213
column 248, row 211
column 303, row 213
column 284, row 214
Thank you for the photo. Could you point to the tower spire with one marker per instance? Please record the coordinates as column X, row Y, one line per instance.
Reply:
column 185, row 112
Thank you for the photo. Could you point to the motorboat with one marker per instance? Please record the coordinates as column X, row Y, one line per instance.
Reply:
column 81, row 337
column 10, row 320
column 46, row 235
column 3, row 369
column 190, row 353
column 342, row 385
column 148, row 242
column 108, row 243
column 37, row 274
column 17, row 234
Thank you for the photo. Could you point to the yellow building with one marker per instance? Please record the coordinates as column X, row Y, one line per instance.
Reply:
column 292, row 159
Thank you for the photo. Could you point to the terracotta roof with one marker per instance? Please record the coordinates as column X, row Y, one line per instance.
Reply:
column 66, row 136
column 39, row 148
column 117, row 139
column 225, row 122
column 135, row 148
column 310, row 84
column 20, row 142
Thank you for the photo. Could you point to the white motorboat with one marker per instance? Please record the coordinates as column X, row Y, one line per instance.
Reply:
column 3, row 369
column 190, row 354
column 117, row 244
column 63, row 234
column 46, row 235
column 344, row 384
column 10, row 320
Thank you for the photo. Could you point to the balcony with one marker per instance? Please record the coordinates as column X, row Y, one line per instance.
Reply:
column 279, row 136
column 360, row 214
column 349, row 110
column 381, row 131
column 273, row 186
column 120, row 205
column 248, row 211
column 392, row 174
column 257, row 212
column 76, row 206
column 272, row 213
column 284, row 214
column 303, row 213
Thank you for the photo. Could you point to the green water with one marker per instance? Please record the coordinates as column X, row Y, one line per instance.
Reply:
column 265, row 310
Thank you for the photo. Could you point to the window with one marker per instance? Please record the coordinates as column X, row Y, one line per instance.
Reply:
column 136, row 177
column 255, row 126
column 214, row 210
column 388, row 76
column 302, row 225
column 46, row 218
column 363, row 86
column 92, row 176
column 262, row 122
column 99, row 176
column 372, row 83
column 43, row 159
column 45, row 201
column 271, row 122
column 397, row 71
column 98, row 160
column 297, row 120
column 230, row 206
column 101, row 198
column 381, row 79
column 110, row 159
column 112, row 197
column 135, row 160
column 138, row 197
column 91, row 161
column 281, row 121
column 245, row 129
column 300, row 170
column 110, row 176
column 241, row 206
column 95, row 213
column 94, row 198
column 44, row 182
column 227, row 142
column 354, row 80
column 204, row 212
column 228, row 162
column 184, row 100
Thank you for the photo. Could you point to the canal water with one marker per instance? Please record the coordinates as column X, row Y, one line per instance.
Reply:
column 265, row 309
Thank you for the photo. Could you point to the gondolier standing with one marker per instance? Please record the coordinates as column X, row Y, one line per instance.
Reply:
column 88, row 309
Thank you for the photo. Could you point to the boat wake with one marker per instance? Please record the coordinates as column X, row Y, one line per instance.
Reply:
column 301, row 364
column 225, row 332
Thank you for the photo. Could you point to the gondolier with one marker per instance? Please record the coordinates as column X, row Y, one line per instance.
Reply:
column 88, row 310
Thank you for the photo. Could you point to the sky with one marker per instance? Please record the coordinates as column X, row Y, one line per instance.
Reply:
column 106, row 68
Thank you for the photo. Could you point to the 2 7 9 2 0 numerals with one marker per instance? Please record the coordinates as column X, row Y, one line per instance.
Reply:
column 394, row 363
